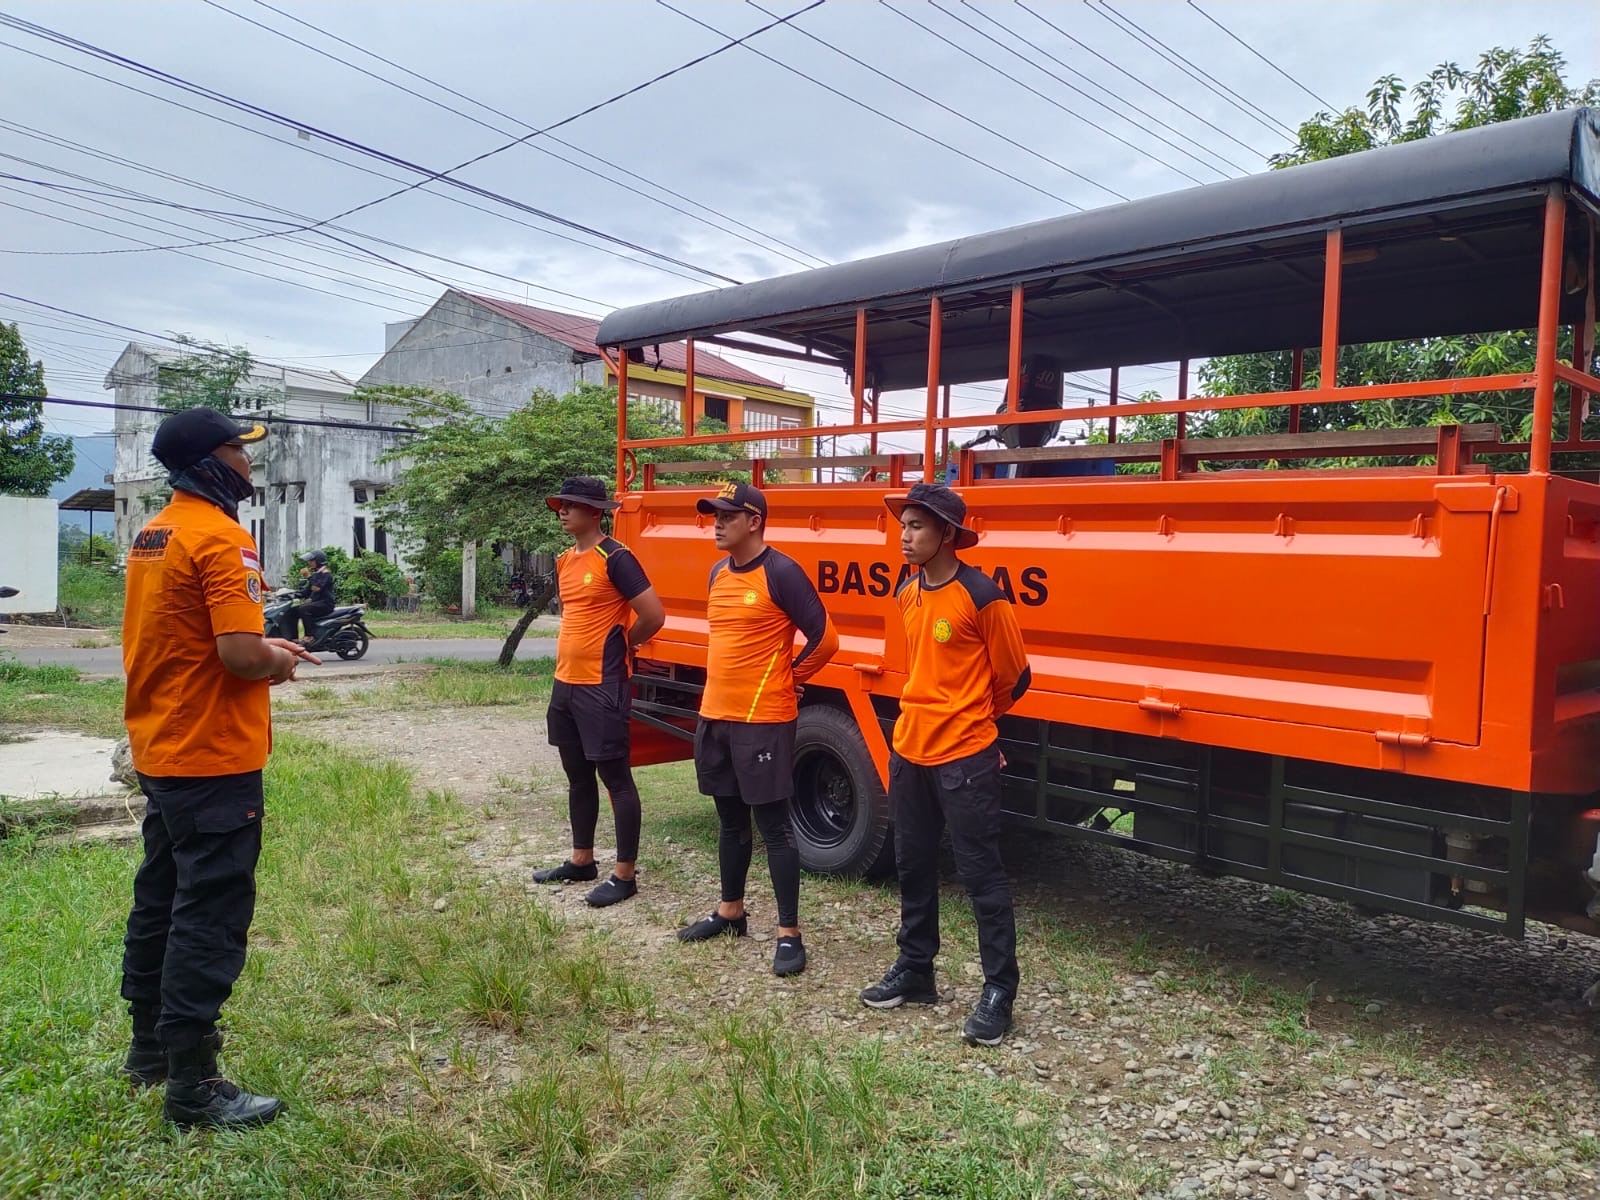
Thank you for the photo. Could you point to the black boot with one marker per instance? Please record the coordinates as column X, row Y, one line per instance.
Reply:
column 198, row 1095
column 146, row 1064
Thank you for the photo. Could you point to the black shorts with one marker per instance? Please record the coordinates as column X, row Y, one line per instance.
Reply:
column 752, row 761
column 591, row 715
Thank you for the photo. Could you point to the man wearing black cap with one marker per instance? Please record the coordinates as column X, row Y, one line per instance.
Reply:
column 608, row 610
column 744, row 744
column 200, row 726
column 965, row 667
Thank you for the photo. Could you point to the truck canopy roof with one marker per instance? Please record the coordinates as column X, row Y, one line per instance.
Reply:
column 1442, row 236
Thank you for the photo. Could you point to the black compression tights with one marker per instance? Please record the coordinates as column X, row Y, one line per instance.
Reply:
column 783, row 858
column 583, row 800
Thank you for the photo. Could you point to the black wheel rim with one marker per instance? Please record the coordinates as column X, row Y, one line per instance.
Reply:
column 824, row 798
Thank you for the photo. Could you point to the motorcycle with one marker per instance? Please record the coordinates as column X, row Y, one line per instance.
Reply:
column 5, row 594
column 341, row 631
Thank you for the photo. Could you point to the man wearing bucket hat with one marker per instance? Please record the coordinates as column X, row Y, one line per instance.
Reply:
column 608, row 610
column 965, row 666
column 200, row 727
column 744, row 744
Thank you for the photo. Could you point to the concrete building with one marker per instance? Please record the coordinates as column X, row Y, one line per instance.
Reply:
column 313, row 483
column 494, row 354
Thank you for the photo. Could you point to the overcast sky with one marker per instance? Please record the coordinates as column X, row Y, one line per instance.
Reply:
column 795, row 174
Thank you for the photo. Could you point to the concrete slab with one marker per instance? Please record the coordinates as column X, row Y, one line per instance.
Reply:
column 46, row 765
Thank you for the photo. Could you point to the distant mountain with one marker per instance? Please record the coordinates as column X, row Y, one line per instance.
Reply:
column 93, row 464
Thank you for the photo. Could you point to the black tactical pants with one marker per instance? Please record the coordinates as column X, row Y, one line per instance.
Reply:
column 193, row 899
column 964, row 795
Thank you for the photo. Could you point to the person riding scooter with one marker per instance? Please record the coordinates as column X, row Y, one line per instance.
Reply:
column 318, row 596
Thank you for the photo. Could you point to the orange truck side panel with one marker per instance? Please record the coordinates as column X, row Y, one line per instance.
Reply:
column 1444, row 627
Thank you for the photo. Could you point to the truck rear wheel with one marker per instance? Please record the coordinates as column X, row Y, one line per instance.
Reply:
column 841, row 814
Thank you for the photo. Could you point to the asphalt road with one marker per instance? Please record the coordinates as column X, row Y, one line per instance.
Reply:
column 108, row 660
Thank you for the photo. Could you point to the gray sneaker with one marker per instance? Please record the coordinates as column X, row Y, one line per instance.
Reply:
column 902, row 984
column 990, row 1019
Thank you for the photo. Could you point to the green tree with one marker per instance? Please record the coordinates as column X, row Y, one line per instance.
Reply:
column 473, row 478
column 30, row 459
column 1501, row 86
column 211, row 375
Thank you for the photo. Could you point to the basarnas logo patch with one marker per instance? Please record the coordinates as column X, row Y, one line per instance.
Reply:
column 252, row 584
column 941, row 630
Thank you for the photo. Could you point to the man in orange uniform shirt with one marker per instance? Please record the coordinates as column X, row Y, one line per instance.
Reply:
column 200, row 725
column 608, row 610
column 965, row 666
column 744, row 744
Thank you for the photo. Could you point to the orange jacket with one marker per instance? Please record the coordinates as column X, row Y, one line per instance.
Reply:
column 596, row 587
column 965, row 666
column 753, row 612
column 193, row 575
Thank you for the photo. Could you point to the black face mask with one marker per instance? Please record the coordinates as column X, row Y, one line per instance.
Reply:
column 214, row 480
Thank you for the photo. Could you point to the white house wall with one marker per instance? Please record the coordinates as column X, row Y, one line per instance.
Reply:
column 491, row 362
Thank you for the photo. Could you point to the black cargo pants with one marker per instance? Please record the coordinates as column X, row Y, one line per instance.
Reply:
column 193, row 898
column 965, row 795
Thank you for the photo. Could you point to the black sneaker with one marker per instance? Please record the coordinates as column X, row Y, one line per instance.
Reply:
column 901, row 985
column 990, row 1019
column 715, row 925
column 568, row 872
column 612, row 891
column 789, row 957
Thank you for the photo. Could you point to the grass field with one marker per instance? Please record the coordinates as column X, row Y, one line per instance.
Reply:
column 437, row 1035
column 490, row 623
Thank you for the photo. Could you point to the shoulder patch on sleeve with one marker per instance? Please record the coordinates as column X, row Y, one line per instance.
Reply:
column 979, row 586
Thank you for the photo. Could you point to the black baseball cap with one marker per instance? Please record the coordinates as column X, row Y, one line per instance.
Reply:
column 582, row 489
column 942, row 503
column 734, row 497
column 183, row 439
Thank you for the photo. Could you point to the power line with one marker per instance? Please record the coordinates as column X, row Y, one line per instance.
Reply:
column 989, row 66
column 581, row 166
column 877, row 112
column 147, row 169
column 354, row 166
column 431, row 176
column 266, row 418
column 1136, row 31
column 584, row 150
column 1033, row 48
column 1328, row 104
column 921, row 95
column 1121, row 70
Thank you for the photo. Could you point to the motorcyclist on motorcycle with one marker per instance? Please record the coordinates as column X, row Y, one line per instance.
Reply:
column 317, row 592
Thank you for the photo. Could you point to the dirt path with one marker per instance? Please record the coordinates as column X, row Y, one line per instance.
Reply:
column 1249, row 1042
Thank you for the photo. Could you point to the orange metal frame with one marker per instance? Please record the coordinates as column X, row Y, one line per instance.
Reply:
column 1441, row 621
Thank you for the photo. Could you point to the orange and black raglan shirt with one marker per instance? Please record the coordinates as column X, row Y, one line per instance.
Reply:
column 193, row 575
column 751, row 664
column 966, row 666
column 597, row 586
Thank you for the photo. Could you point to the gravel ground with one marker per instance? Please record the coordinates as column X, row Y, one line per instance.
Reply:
column 1194, row 1037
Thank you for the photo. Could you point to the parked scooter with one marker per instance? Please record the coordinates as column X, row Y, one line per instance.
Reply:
column 342, row 631
column 5, row 594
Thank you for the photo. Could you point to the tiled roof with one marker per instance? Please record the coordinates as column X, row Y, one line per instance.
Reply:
column 578, row 332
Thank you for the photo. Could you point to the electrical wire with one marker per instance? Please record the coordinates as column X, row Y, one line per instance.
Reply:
column 808, row 261
column 1121, row 70
column 1050, row 100
column 862, row 104
column 1328, row 104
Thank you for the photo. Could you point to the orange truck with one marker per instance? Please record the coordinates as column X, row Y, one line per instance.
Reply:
column 1365, row 663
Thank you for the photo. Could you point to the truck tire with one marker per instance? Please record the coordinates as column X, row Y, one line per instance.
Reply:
column 841, row 814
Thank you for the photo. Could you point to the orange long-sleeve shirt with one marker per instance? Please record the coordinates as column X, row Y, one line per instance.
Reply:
column 753, row 612
column 966, row 666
